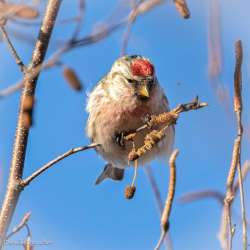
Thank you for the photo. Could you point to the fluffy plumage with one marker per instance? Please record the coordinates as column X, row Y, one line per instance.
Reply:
column 120, row 102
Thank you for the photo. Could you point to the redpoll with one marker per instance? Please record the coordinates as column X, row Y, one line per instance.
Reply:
column 119, row 103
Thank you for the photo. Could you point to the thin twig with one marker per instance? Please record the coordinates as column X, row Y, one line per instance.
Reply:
column 22, row 132
column 130, row 22
column 11, row 89
column 48, row 165
column 169, row 200
column 80, row 17
column 214, row 41
column 22, row 224
column 244, row 172
column 155, row 188
column 12, row 49
column 203, row 194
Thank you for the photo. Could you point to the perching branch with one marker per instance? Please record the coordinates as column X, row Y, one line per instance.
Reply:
column 169, row 201
column 171, row 117
column 22, row 132
column 164, row 120
column 51, row 163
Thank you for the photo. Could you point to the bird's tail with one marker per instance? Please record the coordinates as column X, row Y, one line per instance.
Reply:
column 110, row 172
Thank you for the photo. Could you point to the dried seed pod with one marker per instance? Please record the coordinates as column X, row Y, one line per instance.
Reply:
column 72, row 78
column 130, row 192
column 182, row 8
column 28, row 103
column 27, row 119
column 27, row 111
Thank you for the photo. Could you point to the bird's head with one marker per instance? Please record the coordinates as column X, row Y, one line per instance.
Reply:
column 134, row 75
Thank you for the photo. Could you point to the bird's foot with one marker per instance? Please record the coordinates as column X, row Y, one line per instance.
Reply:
column 119, row 139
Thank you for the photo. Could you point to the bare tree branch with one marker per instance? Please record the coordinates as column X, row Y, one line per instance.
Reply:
column 22, row 132
column 203, row 194
column 11, row 89
column 22, row 224
column 12, row 49
column 51, row 163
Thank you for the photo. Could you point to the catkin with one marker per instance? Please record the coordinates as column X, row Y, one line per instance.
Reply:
column 237, row 77
column 150, row 140
column 166, row 118
column 182, row 8
column 72, row 78
column 27, row 111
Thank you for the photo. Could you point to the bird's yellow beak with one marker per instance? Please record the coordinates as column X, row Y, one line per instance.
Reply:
column 143, row 91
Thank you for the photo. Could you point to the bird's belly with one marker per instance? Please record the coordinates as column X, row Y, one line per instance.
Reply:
column 127, row 120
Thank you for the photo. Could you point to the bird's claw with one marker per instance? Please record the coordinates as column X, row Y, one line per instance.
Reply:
column 119, row 139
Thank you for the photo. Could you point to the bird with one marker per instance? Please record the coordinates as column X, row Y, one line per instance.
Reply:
column 120, row 102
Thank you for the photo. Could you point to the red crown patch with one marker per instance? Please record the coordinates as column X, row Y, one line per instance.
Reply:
column 142, row 67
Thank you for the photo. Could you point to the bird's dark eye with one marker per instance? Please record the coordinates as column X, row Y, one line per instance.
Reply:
column 132, row 81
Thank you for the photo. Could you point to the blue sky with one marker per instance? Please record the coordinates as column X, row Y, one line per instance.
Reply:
column 67, row 209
